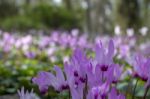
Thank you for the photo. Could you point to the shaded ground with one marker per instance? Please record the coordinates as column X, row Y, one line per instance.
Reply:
column 9, row 97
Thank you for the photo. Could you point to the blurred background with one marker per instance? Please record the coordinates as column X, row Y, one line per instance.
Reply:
column 36, row 34
column 91, row 16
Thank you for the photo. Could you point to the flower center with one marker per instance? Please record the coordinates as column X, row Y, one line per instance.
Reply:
column 64, row 87
column 104, row 68
column 76, row 74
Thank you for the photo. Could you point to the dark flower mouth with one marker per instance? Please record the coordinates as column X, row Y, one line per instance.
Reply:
column 104, row 68
column 76, row 74
column 96, row 96
column 144, row 78
column 64, row 87
column 43, row 91
column 76, row 83
column 103, row 96
column 114, row 82
column 136, row 75
column 83, row 80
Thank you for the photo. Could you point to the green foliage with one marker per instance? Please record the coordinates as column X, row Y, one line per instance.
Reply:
column 16, row 70
column 42, row 16
column 20, row 23
column 54, row 16
column 7, row 8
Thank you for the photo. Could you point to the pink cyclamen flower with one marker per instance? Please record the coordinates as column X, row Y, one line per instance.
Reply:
column 85, row 78
column 142, row 68
column 114, row 94
column 98, row 92
column 30, row 54
column 104, row 58
column 46, row 79
column 43, row 80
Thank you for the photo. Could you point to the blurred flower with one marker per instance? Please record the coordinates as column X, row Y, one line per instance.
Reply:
column 53, row 59
column 144, row 31
column 46, row 79
column 144, row 48
column 66, row 59
column 75, row 32
column 43, row 80
column 26, row 40
column 51, row 51
column 99, row 92
column 55, row 36
column 30, row 54
column 26, row 95
column 130, row 32
column 114, row 95
column 117, row 30
column 44, row 42
column 142, row 68
column 124, row 51
column 7, row 42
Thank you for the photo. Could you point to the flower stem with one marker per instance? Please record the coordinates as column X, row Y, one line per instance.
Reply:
column 128, row 87
column 102, row 76
column 85, row 89
column 133, row 94
column 145, row 94
column 69, row 94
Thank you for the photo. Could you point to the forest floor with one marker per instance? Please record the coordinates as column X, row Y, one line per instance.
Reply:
column 9, row 97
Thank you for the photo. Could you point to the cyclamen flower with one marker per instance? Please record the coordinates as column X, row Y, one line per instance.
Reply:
column 99, row 92
column 104, row 59
column 76, row 84
column 26, row 95
column 114, row 95
column 85, row 78
column 103, row 67
column 7, row 42
column 43, row 80
column 142, row 68
column 46, row 79
column 79, row 63
column 30, row 54
column 113, row 74
column 44, row 42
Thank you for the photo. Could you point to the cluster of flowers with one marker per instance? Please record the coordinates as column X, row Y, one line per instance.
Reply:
column 33, row 46
column 91, row 77
column 85, row 78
